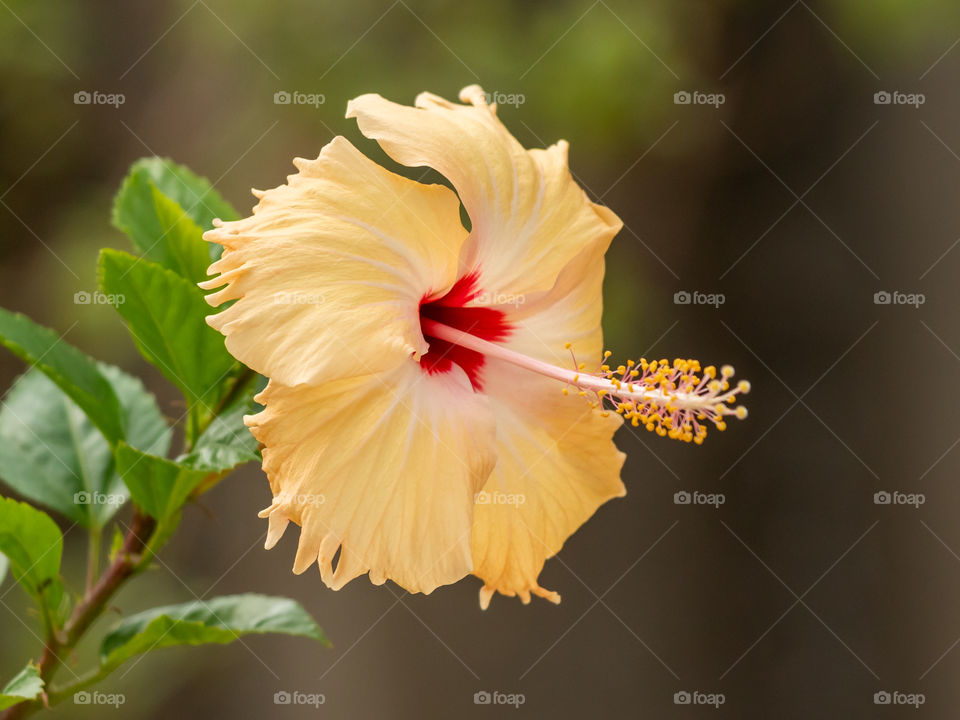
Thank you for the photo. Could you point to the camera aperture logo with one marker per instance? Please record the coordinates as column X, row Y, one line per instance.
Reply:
column 695, row 97
column 284, row 697
column 696, row 697
column 496, row 697
column 895, row 497
column 896, row 697
column 684, row 497
column 895, row 97
column 95, row 97
column 695, row 297
column 896, row 297
column 296, row 97
column 86, row 697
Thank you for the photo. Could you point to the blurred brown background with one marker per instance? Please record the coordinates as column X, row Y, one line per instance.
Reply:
column 798, row 198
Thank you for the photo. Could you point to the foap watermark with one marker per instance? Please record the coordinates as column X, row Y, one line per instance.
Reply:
column 896, row 297
column 296, row 298
column 98, row 298
column 695, row 97
column 496, row 697
column 85, row 697
column 303, row 499
column 896, row 697
column 95, row 97
column 501, row 98
column 296, row 97
column 285, row 697
column 697, row 697
column 684, row 497
column 695, row 297
column 86, row 497
column 895, row 97
column 501, row 298
column 895, row 497
column 486, row 497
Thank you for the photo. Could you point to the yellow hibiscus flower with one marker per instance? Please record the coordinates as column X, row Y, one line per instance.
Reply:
column 423, row 420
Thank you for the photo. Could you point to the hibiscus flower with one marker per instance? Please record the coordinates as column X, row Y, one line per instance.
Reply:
column 424, row 419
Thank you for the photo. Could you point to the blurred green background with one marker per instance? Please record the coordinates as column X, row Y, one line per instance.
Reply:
column 798, row 198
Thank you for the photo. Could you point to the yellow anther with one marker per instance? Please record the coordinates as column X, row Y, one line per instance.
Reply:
column 673, row 398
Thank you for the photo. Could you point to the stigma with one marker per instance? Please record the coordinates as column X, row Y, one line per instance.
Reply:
column 678, row 400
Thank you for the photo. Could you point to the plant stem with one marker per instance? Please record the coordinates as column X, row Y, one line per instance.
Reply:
column 93, row 557
column 141, row 542
column 245, row 376
column 133, row 557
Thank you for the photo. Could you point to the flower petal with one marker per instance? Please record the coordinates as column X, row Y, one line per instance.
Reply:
column 556, row 465
column 553, row 450
column 529, row 218
column 383, row 468
column 570, row 312
column 329, row 271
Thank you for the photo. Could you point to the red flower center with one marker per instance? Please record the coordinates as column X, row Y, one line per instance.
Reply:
column 482, row 322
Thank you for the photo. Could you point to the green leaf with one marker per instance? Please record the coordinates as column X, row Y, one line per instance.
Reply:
column 166, row 315
column 162, row 230
column 227, row 442
column 4, row 564
column 33, row 544
column 219, row 620
column 26, row 685
column 51, row 453
column 190, row 191
column 146, row 428
column 159, row 486
column 75, row 373
column 134, row 203
column 116, row 543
